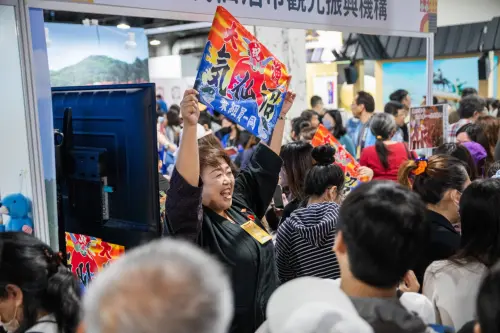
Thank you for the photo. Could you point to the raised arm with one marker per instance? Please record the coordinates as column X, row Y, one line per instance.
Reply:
column 277, row 138
column 188, row 159
column 183, row 206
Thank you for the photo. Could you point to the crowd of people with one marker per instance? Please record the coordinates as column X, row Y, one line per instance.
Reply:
column 265, row 237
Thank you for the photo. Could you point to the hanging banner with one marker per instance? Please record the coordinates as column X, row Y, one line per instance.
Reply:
column 363, row 16
column 89, row 255
column 240, row 78
column 347, row 163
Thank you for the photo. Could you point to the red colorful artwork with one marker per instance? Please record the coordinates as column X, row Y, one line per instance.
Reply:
column 89, row 255
column 346, row 161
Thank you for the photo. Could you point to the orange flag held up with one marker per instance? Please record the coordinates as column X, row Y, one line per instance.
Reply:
column 239, row 78
column 346, row 161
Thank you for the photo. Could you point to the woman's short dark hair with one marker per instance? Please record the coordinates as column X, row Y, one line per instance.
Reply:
column 309, row 114
column 339, row 130
column 297, row 161
column 325, row 173
column 173, row 118
column 480, row 220
column 460, row 152
column 211, row 155
column 399, row 95
column 383, row 126
column 298, row 124
column 174, row 107
column 442, row 173
column 47, row 285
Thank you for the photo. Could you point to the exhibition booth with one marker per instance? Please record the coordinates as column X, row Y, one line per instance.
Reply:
column 34, row 109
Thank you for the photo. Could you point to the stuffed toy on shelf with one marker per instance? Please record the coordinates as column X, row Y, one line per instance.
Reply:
column 18, row 208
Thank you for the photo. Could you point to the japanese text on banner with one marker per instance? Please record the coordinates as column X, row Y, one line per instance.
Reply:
column 240, row 78
column 362, row 9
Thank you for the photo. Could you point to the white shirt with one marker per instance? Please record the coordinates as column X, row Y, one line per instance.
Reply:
column 453, row 290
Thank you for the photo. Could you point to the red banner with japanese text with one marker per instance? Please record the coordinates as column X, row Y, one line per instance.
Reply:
column 89, row 255
column 239, row 78
column 346, row 161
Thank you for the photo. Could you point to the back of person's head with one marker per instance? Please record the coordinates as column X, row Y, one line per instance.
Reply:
column 307, row 133
column 493, row 170
column 459, row 152
column 491, row 128
column 399, row 95
column 366, row 99
column 383, row 126
column 339, row 129
column 382, row 226
column 325, row 174
column 469, row 92
column 162, row 287
column 432, row 179
column 34, row 281
column 488, row 302
column 173, row 118
column 174, row 107
column 393, row 108
column 475, row 133
column 480, row 221
column 435, row 100
column 470, row 106
column 297, row 160
column 205, row 120
column 297, row 125
column 308, row 114
column 316, row 101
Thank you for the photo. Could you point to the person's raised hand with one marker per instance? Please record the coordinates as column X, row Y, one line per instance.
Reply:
column 190, row 110
column 366, row 173
column 410, row 283
column 289, row 99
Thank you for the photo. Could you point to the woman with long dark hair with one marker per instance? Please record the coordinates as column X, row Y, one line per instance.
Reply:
column 37, row 292
column 332, row 120
column 304, row 241
column 386, row 156
column 452, row 285
column 297, row 161
column 440, row 182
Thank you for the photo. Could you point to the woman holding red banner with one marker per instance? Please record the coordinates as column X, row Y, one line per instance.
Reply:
column 207, row 205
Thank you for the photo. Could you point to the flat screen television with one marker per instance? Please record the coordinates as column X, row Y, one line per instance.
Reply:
column 107, row 162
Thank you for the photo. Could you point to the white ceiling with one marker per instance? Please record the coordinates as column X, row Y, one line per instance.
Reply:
column 452, row 12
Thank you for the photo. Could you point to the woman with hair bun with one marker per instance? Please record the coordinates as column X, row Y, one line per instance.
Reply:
column 386, row 156
column 37, row 292
column 304, row 241
column 440, row 182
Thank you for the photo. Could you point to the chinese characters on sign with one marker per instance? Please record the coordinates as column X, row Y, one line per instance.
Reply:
column 362, row 9
column 89, row 255
column 347, row 163
column 240, row 78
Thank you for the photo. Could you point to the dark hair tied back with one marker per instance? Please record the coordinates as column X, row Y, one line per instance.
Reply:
column 323, row 155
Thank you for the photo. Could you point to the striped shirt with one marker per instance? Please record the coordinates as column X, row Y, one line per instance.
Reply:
column 304, row 243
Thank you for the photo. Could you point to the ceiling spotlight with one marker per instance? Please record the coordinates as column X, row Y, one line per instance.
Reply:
column 123, row 25
column 154, row 42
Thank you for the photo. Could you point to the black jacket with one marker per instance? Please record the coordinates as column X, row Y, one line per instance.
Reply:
column 444, row 242
column 251, row 265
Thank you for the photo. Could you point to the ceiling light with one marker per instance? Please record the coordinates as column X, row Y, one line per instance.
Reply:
column 123, row 25
column 154, row 42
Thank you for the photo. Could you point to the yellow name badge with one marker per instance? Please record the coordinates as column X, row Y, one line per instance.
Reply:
column 259, row 234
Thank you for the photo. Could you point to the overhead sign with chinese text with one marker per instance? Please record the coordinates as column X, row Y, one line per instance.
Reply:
column 240, row 78
column 410, row 16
